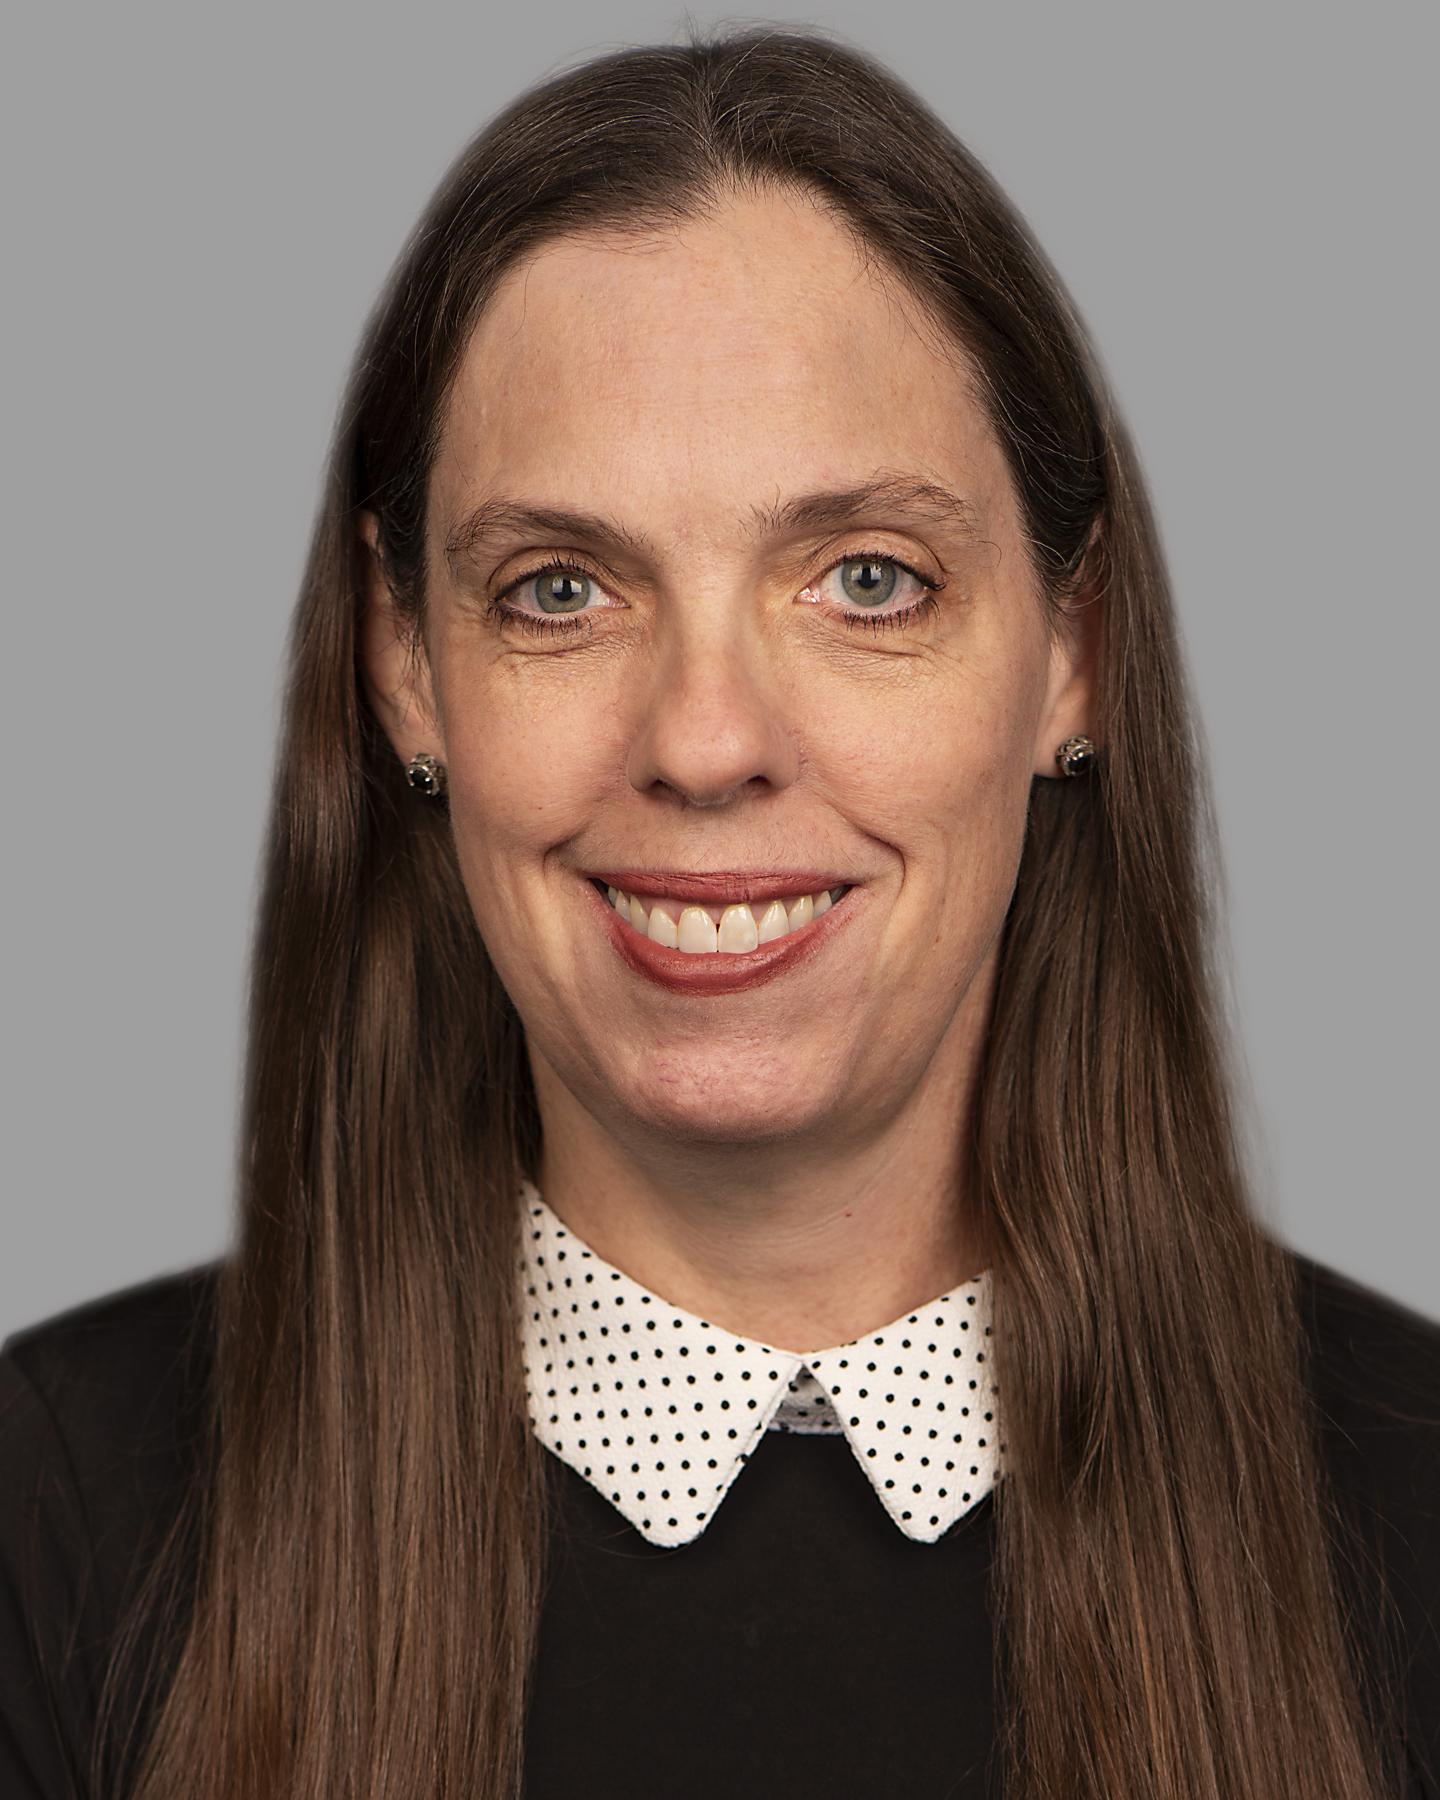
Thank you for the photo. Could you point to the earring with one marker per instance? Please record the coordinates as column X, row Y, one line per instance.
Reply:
column 426, row 774
column 1075, row 755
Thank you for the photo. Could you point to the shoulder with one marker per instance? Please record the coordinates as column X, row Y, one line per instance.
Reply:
column 1373, row 1373
column 1374, row 1366
column 104, row 1366
column 131, row 1322
column 101, row 1407
column 1374, row 1378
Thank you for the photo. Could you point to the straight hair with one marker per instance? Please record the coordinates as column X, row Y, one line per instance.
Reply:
column 355, row 1576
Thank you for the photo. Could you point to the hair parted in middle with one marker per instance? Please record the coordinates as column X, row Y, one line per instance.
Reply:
column 371, row 1529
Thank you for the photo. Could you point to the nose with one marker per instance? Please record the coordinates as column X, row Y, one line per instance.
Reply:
column 713, row 714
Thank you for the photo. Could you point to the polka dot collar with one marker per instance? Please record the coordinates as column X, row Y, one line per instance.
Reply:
column 659, row 1410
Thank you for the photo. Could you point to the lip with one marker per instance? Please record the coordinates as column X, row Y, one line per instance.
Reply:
column 724, row 972
column 741, row 885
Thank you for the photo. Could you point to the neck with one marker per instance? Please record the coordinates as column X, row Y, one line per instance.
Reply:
column 803, row 1246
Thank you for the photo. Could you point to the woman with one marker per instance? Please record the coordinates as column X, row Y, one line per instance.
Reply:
column 745, row 1279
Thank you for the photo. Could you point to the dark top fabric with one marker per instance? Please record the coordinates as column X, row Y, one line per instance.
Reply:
column 801, row 1646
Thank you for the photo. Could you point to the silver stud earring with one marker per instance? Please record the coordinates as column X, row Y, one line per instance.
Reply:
column 1075, row 756
column 426, row 774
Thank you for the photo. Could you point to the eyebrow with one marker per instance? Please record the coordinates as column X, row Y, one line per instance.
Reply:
column 828, row 509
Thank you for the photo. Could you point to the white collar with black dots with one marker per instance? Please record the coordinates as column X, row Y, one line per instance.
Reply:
column 659, row 1410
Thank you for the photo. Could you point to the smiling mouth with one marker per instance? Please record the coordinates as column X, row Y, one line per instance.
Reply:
column 730, row 929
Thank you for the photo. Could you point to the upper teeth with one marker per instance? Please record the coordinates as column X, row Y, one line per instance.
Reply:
column 679, row 925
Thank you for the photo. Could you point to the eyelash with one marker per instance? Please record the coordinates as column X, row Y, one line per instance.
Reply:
column 562, row 626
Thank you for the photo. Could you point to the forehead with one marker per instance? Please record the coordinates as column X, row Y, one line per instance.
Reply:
column 695, row 372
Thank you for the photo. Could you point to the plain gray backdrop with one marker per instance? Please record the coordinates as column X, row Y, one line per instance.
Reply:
column 201, row 208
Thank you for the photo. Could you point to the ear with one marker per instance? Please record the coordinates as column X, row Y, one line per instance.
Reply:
column 1069, row 707
column 393, row 665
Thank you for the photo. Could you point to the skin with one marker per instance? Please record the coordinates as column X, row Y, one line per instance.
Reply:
column 786, row 1161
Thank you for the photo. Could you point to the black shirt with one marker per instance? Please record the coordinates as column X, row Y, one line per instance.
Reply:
column 800, row 1646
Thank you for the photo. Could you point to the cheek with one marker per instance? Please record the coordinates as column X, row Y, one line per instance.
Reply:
column 926, row 756
column 939, row 748
column 941, row 774
column 523, row 779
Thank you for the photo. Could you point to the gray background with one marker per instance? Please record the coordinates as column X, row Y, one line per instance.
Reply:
column 201, row 207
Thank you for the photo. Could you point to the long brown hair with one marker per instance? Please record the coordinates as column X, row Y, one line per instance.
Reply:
column 369, row 1525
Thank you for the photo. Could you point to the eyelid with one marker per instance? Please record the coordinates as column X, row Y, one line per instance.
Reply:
column 578, row 560
column 544, row 567
column 872, row 554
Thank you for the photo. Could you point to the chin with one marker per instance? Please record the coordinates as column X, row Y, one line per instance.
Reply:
column 702, row 1106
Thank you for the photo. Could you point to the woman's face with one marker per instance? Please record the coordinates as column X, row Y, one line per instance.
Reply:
column 711, row 681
